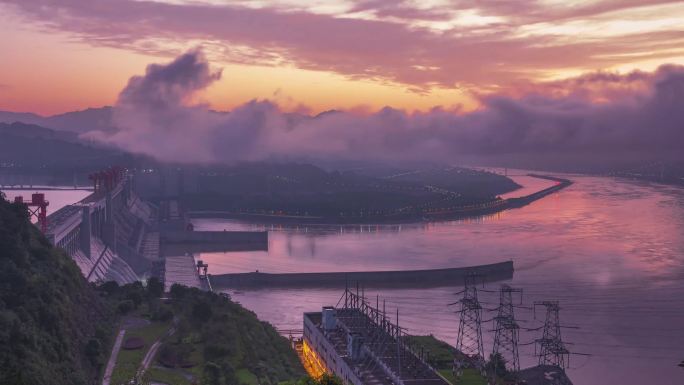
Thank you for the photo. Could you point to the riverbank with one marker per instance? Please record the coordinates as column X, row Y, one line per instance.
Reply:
column 427, row 215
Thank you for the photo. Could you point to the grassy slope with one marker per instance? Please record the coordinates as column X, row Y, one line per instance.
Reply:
column 219, row 340
column 54, row 329
column 128, row 361
column 214, row 331
column 442, row 357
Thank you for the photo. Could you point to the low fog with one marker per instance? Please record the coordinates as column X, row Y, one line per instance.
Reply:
column 595, row 120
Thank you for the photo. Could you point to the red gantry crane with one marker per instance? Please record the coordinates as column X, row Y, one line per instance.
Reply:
column 37, row 207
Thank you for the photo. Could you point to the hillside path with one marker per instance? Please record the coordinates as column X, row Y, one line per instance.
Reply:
column 112, row 358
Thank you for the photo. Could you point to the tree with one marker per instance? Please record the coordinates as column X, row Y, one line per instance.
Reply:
column 155, row 288
column 211, row 374
column 201, row 311
column 125, row 306
column 496, row 365
column 177, row 291
column 135, row 297
column 109, row 287
column 93, row 351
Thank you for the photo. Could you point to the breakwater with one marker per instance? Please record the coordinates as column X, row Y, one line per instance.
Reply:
column 561, row 183
column 403, row 278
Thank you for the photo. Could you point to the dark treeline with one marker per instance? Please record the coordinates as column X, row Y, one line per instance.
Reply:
column 54, row 328
column 57, row 329
column 306, row 190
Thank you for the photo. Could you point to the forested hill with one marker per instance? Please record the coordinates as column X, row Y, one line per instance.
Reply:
column 57, row 329
column 53, row 326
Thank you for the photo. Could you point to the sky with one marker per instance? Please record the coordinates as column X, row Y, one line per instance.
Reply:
column 316, row 55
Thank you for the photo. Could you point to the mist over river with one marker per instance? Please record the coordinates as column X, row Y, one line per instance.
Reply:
column 611, row 251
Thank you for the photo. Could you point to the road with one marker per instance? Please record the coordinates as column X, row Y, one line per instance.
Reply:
column 147, row 361
column 112, row 358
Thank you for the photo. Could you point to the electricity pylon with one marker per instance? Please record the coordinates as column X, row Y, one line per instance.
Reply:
column 506, row 328
column 552, row 351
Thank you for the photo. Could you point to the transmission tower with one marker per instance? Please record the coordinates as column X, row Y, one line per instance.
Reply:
column 469, row 340
column 552, row 351
column 506, row 328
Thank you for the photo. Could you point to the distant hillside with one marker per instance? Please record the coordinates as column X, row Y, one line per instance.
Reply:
column 304, row 190
column 29, row 130
column 28, row 146
column 90, row 119
column 24, row 117
column 53, row 327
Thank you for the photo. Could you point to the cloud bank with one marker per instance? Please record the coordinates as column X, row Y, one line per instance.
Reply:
column 597, row 117
column 488, row 43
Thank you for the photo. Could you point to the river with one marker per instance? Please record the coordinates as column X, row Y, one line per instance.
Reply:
column 611, row 251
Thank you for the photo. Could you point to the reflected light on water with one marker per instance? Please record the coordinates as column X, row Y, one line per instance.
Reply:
column 612, row 253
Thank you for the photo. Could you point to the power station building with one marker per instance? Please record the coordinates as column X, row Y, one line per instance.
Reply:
column 360, row 345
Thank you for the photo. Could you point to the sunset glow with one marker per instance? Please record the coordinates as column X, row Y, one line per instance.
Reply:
column 60, row 56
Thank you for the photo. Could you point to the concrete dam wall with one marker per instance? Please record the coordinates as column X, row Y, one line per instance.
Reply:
column 404, row 278
column 109, row 234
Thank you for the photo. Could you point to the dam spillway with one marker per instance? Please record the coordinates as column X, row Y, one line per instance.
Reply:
column 110, row 234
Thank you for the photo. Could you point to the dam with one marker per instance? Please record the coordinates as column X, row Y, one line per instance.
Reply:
column 115, row 235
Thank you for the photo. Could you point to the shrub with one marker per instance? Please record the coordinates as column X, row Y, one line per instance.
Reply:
column 125, row 306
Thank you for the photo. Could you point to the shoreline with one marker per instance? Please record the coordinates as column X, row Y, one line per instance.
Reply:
column 488, row 208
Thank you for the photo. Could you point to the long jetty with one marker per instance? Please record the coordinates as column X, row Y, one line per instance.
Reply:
column 403, row 278
column 561, row 183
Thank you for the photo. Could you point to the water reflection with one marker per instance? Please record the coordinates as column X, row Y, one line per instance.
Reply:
column 612, row 252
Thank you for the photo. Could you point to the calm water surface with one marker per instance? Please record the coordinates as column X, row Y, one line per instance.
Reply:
column 611, row 251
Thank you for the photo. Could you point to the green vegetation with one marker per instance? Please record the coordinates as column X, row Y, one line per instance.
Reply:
column 210, row 339
column 166, row 376
column 225, row 343
column 128, row 361
column 442, row 357
column 441, row 354
column 54, row 329
column 304, row 190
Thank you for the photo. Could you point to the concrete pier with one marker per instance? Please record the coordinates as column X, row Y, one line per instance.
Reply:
column 181, row 270
column 405, row 278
